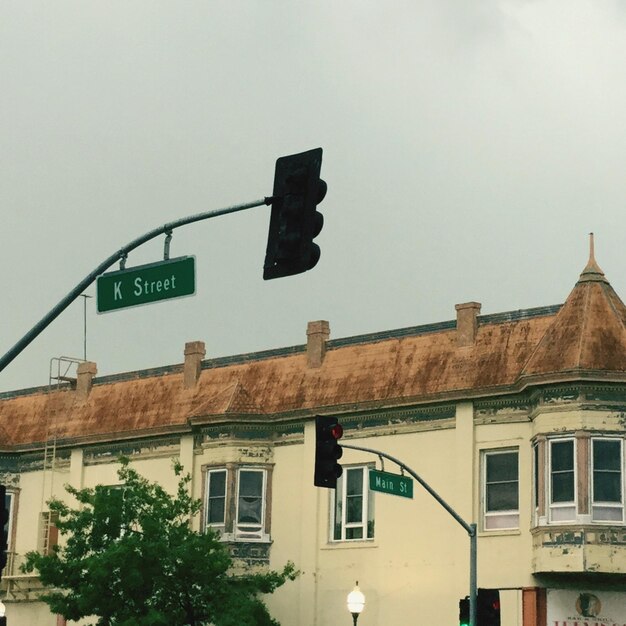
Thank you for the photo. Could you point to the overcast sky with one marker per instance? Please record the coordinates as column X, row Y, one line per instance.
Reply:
column 469, row 147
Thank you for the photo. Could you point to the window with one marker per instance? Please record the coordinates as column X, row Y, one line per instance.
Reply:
column 216, row 499
column 607, row 482
column 48, row 532
column 236, row 502
column 9, row 499
column 108, row 514
column 501, row 490
column 250, row 504
column 536, row 470
column 562, row 480
column 353, row 506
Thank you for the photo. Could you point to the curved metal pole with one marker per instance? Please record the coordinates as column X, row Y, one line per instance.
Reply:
column 431, row 491
column 469, row 528
column 120, row 254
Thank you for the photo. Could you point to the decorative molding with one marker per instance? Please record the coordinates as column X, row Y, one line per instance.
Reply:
column 34, row 461
column 280, row 433
column 396, row 416
column 144, row 448
column 579, row 536
column 579, row 549
column 503, row 410
column 10, row 479
column 9, row 463
column 250, row 553
column 579, row 396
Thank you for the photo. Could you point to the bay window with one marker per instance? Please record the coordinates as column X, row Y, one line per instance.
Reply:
column 236, row 503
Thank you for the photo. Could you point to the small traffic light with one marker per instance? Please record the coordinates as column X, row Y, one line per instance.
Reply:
column 295, row 221
column 464, row 611
column 328, row 431
column 4, row 524
column 488, row 607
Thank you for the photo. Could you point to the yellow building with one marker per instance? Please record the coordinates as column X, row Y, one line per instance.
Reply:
column 517, row 420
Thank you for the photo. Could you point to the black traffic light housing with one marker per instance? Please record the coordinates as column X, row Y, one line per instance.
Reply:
column 328, row 431
column 464, row 611
column 488, row 607
column 4, row 519
column 295, row 221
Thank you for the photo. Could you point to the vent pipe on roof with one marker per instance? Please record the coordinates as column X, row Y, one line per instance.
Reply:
column 466, row 323
column 317, row 334
column 84, row 378
column 194, row 353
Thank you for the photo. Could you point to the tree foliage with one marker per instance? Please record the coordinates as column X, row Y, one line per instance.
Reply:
column 130, row 558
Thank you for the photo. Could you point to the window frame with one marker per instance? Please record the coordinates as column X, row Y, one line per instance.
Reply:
column 218, row 527
column 557, row 508
column 367, row 523
column 504, row 514
column 238, row 527
column 12, row 498
column 597, row 505
column 536, row 501
column 48, row 532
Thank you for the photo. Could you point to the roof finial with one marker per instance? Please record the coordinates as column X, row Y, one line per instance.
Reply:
column 592, row 272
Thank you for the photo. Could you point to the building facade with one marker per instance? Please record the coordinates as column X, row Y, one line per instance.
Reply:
column 517, row 420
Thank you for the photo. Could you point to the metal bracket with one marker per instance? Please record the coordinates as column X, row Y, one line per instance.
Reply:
column 123, row 261
column 382, row 463
column 166, row 245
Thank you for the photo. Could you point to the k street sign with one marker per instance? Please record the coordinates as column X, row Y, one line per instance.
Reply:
column 144, row 284
column 394, row 484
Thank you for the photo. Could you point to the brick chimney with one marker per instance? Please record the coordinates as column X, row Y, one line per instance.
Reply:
column 466, row 323
column 317, row 334
column 194, row 353
column 84, row 378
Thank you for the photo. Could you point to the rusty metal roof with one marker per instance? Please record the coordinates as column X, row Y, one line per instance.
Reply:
column 395, row 368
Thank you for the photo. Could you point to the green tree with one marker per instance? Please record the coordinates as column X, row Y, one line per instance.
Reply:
column 130, row 558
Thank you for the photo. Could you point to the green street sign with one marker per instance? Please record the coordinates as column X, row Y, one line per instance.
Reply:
column 391, row 483
column 144, row 284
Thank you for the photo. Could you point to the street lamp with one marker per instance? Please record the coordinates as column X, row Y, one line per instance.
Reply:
column 3, row 619
column 356, row 602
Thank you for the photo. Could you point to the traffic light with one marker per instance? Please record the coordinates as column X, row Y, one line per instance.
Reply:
column 328, row 431
column 295, row 221
column 488, row 607
column 4, row 524
column 464, row 611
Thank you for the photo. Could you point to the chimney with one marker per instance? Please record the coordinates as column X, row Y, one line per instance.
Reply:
column 317, row 334
column 466, row 323
column 194, row 353
column 84, row 378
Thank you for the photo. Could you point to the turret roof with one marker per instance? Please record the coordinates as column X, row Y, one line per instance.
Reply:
column 588, row 333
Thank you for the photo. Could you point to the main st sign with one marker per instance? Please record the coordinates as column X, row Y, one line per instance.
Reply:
column 144, row 284
column 391, row 483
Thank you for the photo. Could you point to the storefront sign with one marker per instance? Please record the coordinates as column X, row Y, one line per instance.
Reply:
column 568, row 607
